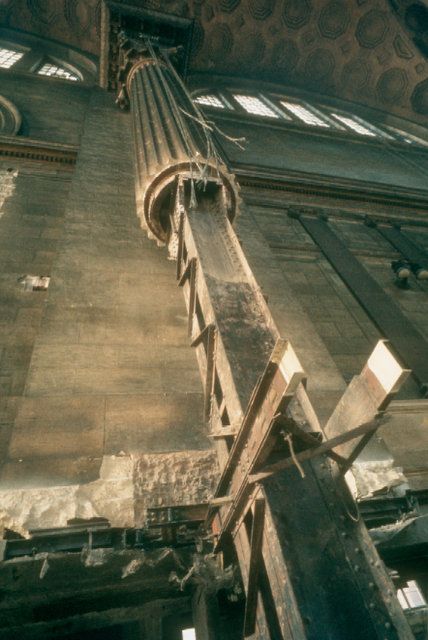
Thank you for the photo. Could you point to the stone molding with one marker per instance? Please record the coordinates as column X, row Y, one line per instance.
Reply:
column 10, row 118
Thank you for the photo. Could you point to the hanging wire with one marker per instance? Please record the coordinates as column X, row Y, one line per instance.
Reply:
column 212, row 159
column 211, row 126
column 289, row 439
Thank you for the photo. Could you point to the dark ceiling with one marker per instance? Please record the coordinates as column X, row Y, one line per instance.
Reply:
column 368, row 51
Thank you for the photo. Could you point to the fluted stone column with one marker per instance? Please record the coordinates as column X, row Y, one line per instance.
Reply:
column 171, row 140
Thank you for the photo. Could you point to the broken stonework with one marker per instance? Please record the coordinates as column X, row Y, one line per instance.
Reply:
column 168, row 479
column 111, row 497
column 127, row 486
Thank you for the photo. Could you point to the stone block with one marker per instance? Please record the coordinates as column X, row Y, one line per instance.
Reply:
column 117, row 381
column 155, row 422
column 50, row 382
column 53, row 426
column 49, row 472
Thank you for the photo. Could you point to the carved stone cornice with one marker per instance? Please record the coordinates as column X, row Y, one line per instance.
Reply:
column 61, row 155
column 10, row 118
column 335, row 189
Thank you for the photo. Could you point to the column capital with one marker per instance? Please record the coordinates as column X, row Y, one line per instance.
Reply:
column 137, row 51
column 127, row 23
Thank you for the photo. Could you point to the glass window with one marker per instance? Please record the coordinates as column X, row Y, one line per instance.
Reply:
column 254, row 105
column 410, row 597
column 8, row 57
column 304, row 114
column 407, row 137
column 353, row 124
column 49, row 69
column 272, row 106
column 209, row 101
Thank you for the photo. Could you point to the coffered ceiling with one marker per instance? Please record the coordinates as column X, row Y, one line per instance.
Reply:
column 361, row 50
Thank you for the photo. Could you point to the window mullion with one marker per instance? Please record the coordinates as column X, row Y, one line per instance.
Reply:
column 29, row 61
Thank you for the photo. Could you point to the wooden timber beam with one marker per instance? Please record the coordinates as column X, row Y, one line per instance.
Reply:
column 207, row 338
column 366, row 398
column 258, row 434
column 326, row 447
column 254, row 566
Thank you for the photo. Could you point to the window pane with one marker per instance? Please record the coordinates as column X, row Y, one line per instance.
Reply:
column 9, row 57
column 49, row 69
column 407, row 137
column 352, row 124
column 402, row 599
column 413, row 595
column 304, row 114
column 209, row 101
column 254, row 105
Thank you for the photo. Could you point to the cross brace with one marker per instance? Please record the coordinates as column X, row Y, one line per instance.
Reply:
column 265, row 421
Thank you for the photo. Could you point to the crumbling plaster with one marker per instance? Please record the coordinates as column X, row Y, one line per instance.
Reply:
column 127, row 486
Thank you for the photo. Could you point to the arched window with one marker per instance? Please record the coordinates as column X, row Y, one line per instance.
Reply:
column 57, row 71
column 210, row 101
column 28, row 54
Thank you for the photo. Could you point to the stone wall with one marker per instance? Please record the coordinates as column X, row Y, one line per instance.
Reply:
column 31, row 225
column 51, row 110
column 282, row 149
column 98, row 367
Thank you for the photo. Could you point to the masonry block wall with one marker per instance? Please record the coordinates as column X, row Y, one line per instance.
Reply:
column 100, row 364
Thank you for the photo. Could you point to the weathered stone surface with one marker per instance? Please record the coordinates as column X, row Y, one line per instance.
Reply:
column 167, row 479
column 111, row 496
column 154, row 422
column 99, row 364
